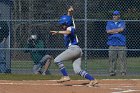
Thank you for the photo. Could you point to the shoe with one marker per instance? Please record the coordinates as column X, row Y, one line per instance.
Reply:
column 92, row 83
column 46, row 73
column 123, row 74
column 38, row 72
column 112, row 74
column 64, row 79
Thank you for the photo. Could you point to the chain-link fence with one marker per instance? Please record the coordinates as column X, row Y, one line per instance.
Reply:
column 27, row 17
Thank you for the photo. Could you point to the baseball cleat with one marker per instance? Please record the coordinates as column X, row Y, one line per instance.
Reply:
column 38, row 72
column 64, row 79
column 92, row 83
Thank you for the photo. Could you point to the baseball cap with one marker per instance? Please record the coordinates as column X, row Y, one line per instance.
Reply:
column 116, row 12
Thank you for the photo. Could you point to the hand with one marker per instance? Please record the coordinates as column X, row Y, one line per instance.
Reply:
column 53, row 32
column 70, row 11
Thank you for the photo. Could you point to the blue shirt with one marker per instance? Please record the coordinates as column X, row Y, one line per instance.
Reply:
column 117, row 39
column 71, row 39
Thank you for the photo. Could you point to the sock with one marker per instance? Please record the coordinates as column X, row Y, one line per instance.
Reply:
column 64, row 72
column 86, row 75
column 62, row 68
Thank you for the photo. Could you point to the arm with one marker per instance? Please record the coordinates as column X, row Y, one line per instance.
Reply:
column 61, row 32
column 70, row 11
column 114, row 31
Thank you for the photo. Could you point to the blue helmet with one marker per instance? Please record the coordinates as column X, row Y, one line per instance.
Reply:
column 65, row 20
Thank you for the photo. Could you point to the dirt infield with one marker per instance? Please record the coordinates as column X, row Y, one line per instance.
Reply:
column 73, row 86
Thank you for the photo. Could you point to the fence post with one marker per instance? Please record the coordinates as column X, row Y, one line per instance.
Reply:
column 85, row 23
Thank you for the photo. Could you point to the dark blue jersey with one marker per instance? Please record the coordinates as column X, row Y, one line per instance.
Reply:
column 71, row 39
column 117, row 39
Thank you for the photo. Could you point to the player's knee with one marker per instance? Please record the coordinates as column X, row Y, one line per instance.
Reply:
column 59, row 64
column 47, row 57
column 56, row 60
column 77, row 70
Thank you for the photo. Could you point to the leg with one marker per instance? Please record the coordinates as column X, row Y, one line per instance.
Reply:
column 58, row 61
column 36, row 69
column 77, row 70
column 122, row 60
column 47, row 65
column 69, row 54
column 112, row 60
column 46, row 60
column 3, row 67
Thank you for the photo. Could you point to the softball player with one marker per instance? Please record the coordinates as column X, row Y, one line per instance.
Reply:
column 73, row 51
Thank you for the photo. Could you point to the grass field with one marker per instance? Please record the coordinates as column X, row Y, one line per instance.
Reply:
column 99, row 66
column 55, row 77
column 133, row 65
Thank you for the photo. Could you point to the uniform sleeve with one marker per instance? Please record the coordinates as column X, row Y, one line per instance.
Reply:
column 69, row 28
column 123, row 25
column 108, row 26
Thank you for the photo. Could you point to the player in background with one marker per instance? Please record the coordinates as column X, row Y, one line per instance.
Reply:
column 116, row 30
column 39, row 57
column 73, row 51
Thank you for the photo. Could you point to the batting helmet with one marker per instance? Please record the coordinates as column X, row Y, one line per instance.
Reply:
column 65, row 20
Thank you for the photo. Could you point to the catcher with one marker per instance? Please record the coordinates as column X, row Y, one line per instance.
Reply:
column 39, row 57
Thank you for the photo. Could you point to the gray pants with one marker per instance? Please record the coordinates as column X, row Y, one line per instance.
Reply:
column 45, row 61
column 117, row 53
column 73, row 53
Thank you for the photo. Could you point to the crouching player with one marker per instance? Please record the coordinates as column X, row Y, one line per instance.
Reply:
column 39, row 57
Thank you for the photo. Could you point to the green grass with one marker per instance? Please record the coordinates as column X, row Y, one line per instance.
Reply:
column 91, row 63
column 22, row 64
column 99, row 65
column 133, row 65
column 55, row 77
